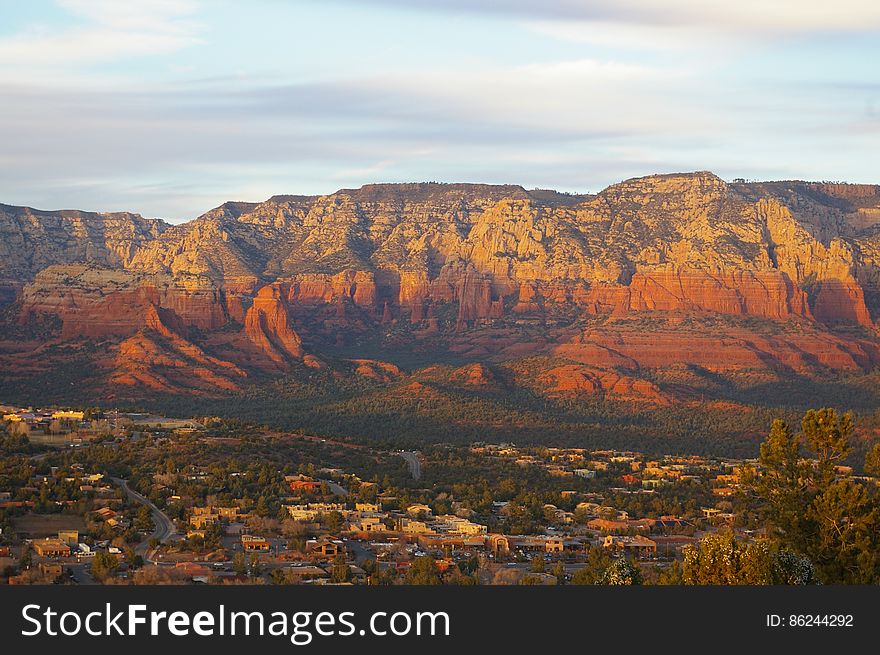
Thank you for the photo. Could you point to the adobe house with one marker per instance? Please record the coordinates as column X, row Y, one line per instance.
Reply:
column 51, row 548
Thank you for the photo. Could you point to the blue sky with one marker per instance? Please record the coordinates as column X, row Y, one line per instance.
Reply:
column 170, row 107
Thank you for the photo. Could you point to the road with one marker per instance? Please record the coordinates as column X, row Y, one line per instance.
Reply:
column 164, row 527
column 415, row 466
column 81, row 573
column 335, row 488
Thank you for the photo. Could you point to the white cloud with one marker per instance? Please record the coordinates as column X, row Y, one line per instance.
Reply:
column 101, row 31
column 743, row 16
column 134, row 15
column 629, row 36
column 592, row 69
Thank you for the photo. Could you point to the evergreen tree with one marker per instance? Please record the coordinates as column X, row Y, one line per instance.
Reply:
column 423, row 571
column 621, row 572
column 341, row 571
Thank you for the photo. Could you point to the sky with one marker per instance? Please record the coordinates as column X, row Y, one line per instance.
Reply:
column 171, row 107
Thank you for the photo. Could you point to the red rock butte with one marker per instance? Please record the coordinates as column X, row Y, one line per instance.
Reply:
column 651, row 273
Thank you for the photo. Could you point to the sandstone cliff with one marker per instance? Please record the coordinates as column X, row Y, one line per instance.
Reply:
column 414, row 265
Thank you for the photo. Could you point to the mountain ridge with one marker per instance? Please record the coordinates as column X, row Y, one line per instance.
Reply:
column 783, row 277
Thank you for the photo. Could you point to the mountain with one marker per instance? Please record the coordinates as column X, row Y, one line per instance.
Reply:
column 652, row 291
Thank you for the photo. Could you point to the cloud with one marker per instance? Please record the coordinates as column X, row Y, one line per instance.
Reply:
column 743, row 16
column 76, row 132
column 98, row 31
column 570, row 124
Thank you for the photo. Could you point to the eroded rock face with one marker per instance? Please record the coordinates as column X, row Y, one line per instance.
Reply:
column 577, row 379
column 671, row 241
column 359, row 287
column 765, row 294
column 275, row 280
column 267, row 325
column 95, row 302
column 158, row 358
column 31, row 240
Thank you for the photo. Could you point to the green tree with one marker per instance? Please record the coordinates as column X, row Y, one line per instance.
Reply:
column 597, row 562
column 621, row 572
column 133, row 560
column 872, row 460
column 262, row 507
column 671, row 575
column 531, row 579
column 721, row 559
column 333, row 521
column 790, row 569
column 144, row 520
column 538, row 565
column 239, row 564
column 423, row 571
column 813, row 512
column 104, row 565
column 845, row 549
column 340, row 571
column 827, row 435
column 783, row 485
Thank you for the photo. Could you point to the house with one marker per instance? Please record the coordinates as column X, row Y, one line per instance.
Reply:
column 326, row 547
column 669, row 522
column 418, row 510
column 105, row 513
column 51, row 548
column 637, row 546
column 450, row 524
column 202, row 521
column 531, row 543
column 302, row 573
column 51, row 569
column 301, row 512
column 306, row 486
column 410, row 526
column 219, row 512
column 310, row 511
column 499, row 544
column 455, row 542
column 372, row 524
column 669, row 545
column 70, row 537
column 368, row 507
column 251, row 543
column 68, row 415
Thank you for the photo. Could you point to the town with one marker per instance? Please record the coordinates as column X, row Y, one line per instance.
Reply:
column 95, row 497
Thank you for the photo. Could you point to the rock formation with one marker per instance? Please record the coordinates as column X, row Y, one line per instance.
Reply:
column 483, row 271
column 267, row 325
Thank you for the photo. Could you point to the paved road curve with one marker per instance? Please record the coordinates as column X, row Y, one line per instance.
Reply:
column 415, row 466
column 335, row 488
column 164, row 528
